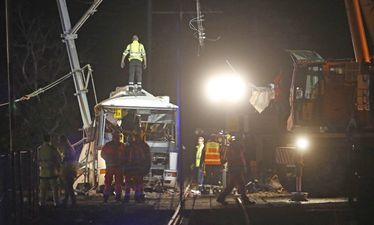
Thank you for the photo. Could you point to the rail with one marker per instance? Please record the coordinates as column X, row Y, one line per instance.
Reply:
column 244, row 210
column 176, row 219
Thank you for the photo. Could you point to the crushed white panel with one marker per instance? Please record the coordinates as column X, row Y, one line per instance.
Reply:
column 122, row 98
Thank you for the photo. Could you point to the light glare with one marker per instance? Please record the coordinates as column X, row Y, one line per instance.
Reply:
column 229, row 88
column 302, row 144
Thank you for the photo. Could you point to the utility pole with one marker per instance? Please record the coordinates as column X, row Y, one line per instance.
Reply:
column 179, row 102
column 149, row 44
column 180, row 13
column 12, row 215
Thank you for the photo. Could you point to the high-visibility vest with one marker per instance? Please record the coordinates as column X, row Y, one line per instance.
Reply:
column 49, row 161
column 136, row 51
column 199, row 151
column 212, row 155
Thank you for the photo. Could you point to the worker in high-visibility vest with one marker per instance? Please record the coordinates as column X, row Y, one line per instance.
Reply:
column 199, row 163
column 138, row 61
column 212, row 161
column 49, row 161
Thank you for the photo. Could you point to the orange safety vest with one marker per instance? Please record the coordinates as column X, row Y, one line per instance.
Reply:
column 212, row 155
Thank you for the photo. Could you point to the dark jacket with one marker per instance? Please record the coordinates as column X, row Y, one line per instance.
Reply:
column 137, row 158
column 236, row 160
column 112, row 153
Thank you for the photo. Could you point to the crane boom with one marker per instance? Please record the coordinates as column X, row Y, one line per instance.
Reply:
column 356, row 26
column 69, row 39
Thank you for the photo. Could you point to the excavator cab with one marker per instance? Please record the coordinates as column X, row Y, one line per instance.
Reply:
column 326, row 95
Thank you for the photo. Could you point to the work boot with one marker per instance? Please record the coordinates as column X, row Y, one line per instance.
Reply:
column 246, row 201
column 222, row 201
column 140, row 198
column 106, row 197
column 118, row 198
column 64, row 202
column 126, row 199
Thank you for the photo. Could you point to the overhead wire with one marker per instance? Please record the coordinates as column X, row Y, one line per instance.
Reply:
column 50, row 86
column 199, row 29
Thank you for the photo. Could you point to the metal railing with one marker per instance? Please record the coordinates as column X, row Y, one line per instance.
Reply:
column 18, row 188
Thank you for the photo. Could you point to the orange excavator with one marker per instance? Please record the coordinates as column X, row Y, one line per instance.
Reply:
column 331, row 102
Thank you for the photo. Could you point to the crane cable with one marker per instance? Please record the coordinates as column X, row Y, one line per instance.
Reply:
column 49, row 86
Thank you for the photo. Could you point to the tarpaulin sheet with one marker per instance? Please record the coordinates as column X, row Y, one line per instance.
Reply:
column 261, row 97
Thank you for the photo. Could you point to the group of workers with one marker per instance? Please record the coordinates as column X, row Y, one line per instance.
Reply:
column 129, row 162
column 221, row 153
column 56, row 163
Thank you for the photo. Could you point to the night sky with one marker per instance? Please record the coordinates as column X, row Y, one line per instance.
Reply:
column 253, row 35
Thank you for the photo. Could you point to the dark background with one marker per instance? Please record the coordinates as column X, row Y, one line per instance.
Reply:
column 253, row 36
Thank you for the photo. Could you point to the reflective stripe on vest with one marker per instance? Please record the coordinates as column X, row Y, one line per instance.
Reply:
column 199, row 150
column 136, row 51
column 212, row 155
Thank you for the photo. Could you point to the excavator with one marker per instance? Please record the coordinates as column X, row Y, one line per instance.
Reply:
column 330, row 104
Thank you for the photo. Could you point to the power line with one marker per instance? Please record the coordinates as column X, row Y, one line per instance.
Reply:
column 52, row 85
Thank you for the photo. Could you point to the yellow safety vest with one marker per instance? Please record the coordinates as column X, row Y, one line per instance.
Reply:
column 136, row 51
column 199, row 151
column 49, row 161
column 212, row 155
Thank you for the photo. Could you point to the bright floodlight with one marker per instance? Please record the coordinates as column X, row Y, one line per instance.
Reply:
column 302, row 144
column 229, row 88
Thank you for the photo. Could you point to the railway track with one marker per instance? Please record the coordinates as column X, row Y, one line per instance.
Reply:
column 178, row 217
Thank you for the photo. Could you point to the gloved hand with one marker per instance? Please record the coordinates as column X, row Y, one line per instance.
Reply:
column 144, row 66
column 192, row 166
column 122, row 64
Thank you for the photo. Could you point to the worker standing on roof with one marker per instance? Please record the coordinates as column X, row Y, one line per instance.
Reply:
column 138, row 61
column 113, row 153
